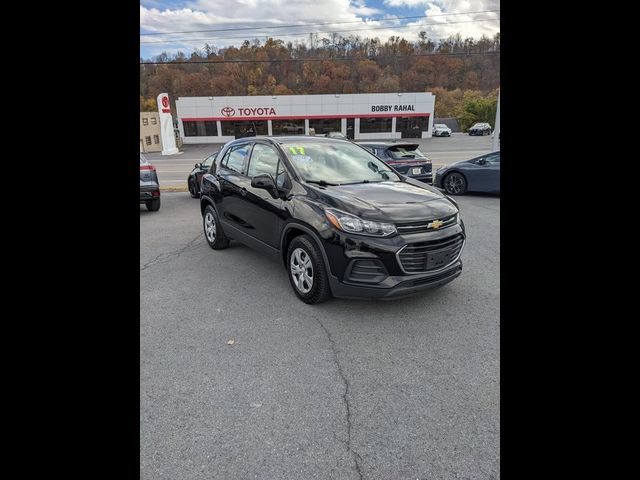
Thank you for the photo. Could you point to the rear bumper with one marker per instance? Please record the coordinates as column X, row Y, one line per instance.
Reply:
column 148, row 193
column 410, row 286
column 428, row 177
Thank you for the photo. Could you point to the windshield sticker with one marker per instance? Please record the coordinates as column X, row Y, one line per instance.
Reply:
column 297, row 150
column 302, row 159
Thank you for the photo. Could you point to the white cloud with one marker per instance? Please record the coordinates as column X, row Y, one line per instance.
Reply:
column 401, row 3
column 225, row 14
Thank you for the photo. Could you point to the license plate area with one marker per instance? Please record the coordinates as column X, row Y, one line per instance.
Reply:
column 438, row 259
column 416, row 171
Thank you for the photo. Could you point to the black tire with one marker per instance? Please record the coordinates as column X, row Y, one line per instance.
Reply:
column 320, row 290
column 454, row 183
column 216, row 237
column 193, row 189
column 153, row 205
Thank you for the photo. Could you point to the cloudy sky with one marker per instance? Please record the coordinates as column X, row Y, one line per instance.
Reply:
column 247, row 19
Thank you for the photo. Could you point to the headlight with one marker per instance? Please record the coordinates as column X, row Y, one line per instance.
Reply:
column 352, row 224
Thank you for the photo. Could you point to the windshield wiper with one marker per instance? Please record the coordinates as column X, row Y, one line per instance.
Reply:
column 322, row 183
column 363, row 181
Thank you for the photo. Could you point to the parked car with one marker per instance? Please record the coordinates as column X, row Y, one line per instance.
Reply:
column 291, row 128
column 441, row 130
column 480, row 129
column 480, row 174
column 342, row 221
column 404, row 157
column 193, row 181
column 335, row 135
column 149, row 185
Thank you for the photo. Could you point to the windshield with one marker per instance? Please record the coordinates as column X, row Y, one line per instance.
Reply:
column 336, row 163
column 480, row 125
column 405, row 152
column 440, row 125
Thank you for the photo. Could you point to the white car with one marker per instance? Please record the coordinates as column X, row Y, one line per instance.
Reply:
column 441, row 130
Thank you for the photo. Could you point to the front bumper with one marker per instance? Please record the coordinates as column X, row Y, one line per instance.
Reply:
column 408, row 285
column 390, row 280
column 437, row 180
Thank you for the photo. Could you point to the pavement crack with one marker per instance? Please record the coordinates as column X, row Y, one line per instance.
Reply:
column 357, row 459
column 175, row 253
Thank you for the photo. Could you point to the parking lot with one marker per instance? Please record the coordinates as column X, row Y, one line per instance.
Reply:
column 347, row 389
column 174, row 169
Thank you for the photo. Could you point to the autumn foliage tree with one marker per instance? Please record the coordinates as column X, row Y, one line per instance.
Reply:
column 459, row 71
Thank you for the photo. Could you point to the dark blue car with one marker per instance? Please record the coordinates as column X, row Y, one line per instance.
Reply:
column 480, row 174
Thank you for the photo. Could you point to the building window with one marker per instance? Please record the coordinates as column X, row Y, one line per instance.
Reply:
column 200, row 129
column 145, row 121
column 244, row 129
column 375, row 125
column 147, row 140
column 412, row 127
column 287, row 127
column 153, row 121
column 156, row 139
column 325, row 125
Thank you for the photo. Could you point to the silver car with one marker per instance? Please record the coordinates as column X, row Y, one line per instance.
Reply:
column 441, row 130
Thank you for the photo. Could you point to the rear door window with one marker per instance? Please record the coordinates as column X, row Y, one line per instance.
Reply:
column 235, row 158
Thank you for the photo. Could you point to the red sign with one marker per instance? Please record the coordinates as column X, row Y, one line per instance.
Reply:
column 165, row 104
column 248, row 112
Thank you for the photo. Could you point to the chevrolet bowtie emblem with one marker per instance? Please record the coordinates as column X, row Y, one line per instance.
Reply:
column 435, row 224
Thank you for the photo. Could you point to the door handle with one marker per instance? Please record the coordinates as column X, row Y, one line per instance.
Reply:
column 243, row 191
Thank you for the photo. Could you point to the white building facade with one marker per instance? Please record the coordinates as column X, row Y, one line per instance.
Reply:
column 358, row 116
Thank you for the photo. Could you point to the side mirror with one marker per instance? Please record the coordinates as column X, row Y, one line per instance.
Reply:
column 198, row 165
column 482, row 161
column 266, row 182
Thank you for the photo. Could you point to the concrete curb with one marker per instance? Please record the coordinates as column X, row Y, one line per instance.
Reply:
column 174, row 189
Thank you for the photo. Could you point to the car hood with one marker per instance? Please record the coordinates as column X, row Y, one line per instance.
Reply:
column 387, row 201
column 453, row 165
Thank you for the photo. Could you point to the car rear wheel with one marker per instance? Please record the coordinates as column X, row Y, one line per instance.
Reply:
column 213, row 232
column 153, row 205
column 193, row 189
column 307, row 272
column 455, row 183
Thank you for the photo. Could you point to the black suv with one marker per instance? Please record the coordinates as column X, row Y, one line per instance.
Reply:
column 341, row 220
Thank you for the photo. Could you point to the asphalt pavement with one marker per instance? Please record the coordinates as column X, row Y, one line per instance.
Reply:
column 348, row 389
column 173, row 170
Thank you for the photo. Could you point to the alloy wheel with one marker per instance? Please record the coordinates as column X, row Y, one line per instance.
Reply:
column 210, row 227
column 301, row 270
column 454, row 183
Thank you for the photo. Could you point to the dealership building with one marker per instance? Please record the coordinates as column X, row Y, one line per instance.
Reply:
column 357, row 116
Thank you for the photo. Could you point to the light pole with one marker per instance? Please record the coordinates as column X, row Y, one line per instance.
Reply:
column 496, row 138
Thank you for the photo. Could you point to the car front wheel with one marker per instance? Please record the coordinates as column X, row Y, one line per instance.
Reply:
column 307, row 272
column 455, row 184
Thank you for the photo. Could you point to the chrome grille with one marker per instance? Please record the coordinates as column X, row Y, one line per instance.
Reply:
column 432, row 255
column 422, row 226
